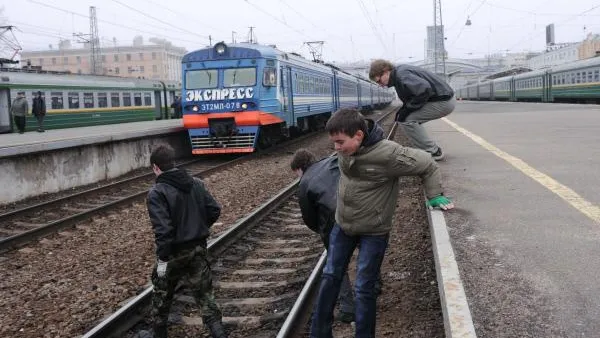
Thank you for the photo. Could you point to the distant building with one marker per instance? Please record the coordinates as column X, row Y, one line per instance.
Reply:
column 556, row 55
column 590, row 47
column 158, row 60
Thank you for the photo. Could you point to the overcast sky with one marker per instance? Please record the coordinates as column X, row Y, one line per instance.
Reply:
column 352, row 29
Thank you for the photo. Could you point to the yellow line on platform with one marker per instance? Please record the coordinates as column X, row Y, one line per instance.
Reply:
column 567, row 194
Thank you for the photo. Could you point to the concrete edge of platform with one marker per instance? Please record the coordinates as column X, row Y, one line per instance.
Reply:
column 457, row 316
column 77, row 141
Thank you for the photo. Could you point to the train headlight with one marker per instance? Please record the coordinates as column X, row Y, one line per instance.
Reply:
column 220, row 48
column 244, row 105
column 195, row 108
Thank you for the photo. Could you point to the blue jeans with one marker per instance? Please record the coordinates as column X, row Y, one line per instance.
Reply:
column 370, row 256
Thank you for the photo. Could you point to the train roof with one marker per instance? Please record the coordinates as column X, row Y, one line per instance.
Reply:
column 248, row 50
column 532, row 73
column 595, row 61
column 74, row 80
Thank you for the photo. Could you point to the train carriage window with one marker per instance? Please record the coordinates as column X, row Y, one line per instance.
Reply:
column 198, row 79
column 73, row 100
column 590, row 77
column 578, row 78
column 88, row 100
column 57, row 100
column 126, row 99
column 137, row 99
column 596, row 75
column 237, row 77
column 114, row 100
column 102, row 100
column 147, row 99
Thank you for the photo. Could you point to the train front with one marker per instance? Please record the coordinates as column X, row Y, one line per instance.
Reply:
column 227, row 94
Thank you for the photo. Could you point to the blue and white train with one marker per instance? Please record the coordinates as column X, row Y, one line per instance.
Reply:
column 241, row 97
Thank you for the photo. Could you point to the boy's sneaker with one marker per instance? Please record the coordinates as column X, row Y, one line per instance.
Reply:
column 345, row 317
column 438, row 155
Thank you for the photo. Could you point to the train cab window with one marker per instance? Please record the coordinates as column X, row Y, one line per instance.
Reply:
column 88, row 100
column 269, row 77
column 147, row 99
column 198, row 79
column 73, row 100
column 56, row 98
column 114, row 100
column 102, row 100
column 126, row 99
column 237, row 77
column 137, row 99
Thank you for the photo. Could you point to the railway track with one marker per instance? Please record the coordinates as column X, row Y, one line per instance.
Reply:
column 260, row 268
column 19, row 227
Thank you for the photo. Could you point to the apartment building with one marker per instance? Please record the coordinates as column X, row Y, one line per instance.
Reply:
column 157, row 60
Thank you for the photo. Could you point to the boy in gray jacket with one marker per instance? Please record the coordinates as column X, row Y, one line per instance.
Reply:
column 366, row 200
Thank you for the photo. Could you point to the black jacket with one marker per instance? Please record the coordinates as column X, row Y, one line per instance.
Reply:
column 181, row 211
column 317, row 195
column 416, row 86
column 38, row 107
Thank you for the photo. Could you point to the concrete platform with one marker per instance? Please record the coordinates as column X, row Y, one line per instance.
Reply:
column 20, row 144
column 525, row 231
column 37, row 163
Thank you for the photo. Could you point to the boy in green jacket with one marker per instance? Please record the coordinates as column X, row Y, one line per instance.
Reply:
column 367, row 194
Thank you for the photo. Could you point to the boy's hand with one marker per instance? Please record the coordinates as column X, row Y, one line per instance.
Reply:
column 441, row 202
column 161, row 268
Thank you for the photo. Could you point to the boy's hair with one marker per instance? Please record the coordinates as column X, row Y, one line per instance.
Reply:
column 163, row 156
column 302, row 159
column 378, row 67
column 347, row 121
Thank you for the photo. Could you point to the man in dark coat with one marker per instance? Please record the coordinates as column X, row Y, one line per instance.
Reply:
column 317, row 199
column 38, row 109
column 425, row 97
column 181, row 211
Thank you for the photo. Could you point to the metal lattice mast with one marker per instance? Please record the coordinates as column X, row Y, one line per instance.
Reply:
column 439, row 52
column 95, row 58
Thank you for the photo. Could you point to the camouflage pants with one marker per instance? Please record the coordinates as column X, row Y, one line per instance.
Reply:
column 193, row 266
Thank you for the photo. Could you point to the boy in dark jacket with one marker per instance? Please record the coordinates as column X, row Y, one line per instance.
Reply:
column 317, row 199
column 425, row 97
column 366, row 200
column 181, row 212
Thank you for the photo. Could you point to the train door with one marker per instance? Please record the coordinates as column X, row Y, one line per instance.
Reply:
column 286, row 95
column 335, row 91
column 5, row 122
column 157, row 105
column 547, row 87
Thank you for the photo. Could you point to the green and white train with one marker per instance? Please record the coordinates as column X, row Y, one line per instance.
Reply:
column 573, row 82
column 86, row 100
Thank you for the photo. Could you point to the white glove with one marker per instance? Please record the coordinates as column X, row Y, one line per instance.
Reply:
column 161, row 268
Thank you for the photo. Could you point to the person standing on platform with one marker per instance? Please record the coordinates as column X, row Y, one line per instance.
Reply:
column 425, row 97
column 317, row 199
column 181, row 211
column 366, row 201
column 38, row 109
column 19, row 110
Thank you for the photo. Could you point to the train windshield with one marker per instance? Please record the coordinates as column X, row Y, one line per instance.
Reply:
column 198, row 79
column 238, row 77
